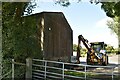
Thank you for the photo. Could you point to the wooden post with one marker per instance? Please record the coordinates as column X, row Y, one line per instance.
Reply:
column 28, row 69
column 13, row 71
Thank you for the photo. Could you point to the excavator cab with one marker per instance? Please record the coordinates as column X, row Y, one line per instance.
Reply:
column 100, row 53
column 97, row 46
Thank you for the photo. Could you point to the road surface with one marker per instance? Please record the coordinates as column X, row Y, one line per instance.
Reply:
column 113, row 61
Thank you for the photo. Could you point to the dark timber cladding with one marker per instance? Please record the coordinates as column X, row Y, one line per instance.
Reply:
column 56, row 36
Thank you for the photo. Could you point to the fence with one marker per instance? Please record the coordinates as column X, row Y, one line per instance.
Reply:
column 44, row 69
column 49, row 70
column 5, row 71
column 12, row 71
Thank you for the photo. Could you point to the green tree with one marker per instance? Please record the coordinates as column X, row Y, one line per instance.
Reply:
column 112, row 10
column 83, row 52
column 113, row 25
column 19, row 34
column 64, row 3
column 109, row 49
column 74, row 47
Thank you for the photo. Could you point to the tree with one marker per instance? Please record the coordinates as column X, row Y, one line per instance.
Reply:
column 64, row 3
column 74, row 47
column 83, row 52
column 113, row 25
column 112, row 10
column 19, row 34
column 109, row 49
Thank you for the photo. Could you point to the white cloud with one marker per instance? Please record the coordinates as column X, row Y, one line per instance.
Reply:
column 107, row 38
column 102, row 37
column 106, row 35
column 102, row 34
column 103, row 22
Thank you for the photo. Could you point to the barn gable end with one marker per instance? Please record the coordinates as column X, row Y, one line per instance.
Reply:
column 55, row 36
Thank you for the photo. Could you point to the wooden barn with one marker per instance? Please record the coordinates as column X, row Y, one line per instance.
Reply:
column 55, row 36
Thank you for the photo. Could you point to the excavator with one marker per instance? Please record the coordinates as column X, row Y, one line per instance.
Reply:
column 95, row 52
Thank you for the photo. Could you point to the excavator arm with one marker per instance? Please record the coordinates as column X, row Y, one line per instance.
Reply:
column 92, row 56
column 85, row 42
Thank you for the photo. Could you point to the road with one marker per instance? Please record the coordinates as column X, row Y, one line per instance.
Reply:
column 114, row 59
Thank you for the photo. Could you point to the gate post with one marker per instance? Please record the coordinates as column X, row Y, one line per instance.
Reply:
column 63, row 71
column 28, row 69
column 13, row 71
column 112, row 73
column 45, row 68
column 85, row 72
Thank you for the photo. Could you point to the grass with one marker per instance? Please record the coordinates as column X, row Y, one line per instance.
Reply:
column 90, row 75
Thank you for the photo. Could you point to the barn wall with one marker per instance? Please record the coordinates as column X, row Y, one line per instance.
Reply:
column 58, row 38
column 54, row 36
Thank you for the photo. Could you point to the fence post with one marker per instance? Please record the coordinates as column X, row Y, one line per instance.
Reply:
column 13, row 71
column 85, row 72
column 63, row 71
column 112, row 73
column 28, row 69
column 45, row 68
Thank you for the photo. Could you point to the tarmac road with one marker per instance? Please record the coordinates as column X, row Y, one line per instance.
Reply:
column 112, row 60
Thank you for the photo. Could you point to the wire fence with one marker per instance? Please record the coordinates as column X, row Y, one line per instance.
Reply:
column 6, row 69
column 13, row 70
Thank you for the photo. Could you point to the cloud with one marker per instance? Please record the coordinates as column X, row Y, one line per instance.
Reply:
column 103, row 33
column 107, row 38
column 102, row 23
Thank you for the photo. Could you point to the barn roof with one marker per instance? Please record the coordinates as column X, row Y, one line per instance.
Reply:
column 45, row 12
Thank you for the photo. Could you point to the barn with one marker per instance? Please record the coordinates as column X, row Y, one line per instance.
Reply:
column 55, row 36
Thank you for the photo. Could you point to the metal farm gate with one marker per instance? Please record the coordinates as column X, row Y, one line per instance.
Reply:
column 52, row 70
column 36, row 69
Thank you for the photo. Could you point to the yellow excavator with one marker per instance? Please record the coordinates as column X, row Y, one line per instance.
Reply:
column 96, row 52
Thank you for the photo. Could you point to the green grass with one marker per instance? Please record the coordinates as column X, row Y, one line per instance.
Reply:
column 74, row 73
column 91, row 75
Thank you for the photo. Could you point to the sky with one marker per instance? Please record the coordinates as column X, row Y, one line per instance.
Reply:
column 85, row 19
